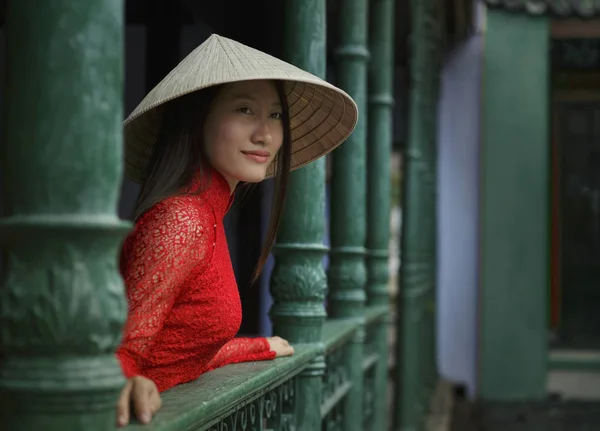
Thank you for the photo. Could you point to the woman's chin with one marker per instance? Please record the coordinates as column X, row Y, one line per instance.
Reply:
column 254, row 176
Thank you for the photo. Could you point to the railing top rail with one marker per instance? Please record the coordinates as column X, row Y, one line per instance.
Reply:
column 217, row 393
column 337, row 332
column 374, row 313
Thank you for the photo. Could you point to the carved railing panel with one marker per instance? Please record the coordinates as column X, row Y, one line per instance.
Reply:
column 369, row 397
column 336, row 374
column 275, row 409
column 336, row 385
column 370, row 381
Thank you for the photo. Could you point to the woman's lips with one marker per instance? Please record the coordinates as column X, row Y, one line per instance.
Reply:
column 257, row 156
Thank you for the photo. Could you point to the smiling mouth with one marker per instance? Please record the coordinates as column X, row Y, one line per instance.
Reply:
column 257, row 156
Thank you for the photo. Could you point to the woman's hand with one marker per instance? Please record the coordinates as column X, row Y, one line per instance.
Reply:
column 280, row 346
column 143, row 395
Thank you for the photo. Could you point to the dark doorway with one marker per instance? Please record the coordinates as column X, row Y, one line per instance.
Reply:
column 575, row 262
column 577, row 136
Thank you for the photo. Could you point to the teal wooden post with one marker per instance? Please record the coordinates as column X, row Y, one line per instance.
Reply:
column 514, row 279
column 62, row 304
column 415, row 354
column 298, row 282
column 435, row 49
column 347, row 271
column 429, row 92
column 381, row 72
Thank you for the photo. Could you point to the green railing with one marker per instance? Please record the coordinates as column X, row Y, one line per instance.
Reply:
column 250, row 396
column 62, row 305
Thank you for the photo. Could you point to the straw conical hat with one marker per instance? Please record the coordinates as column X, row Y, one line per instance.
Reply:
column 321, row 115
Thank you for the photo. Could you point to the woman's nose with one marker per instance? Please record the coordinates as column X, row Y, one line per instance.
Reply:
column 262, row 134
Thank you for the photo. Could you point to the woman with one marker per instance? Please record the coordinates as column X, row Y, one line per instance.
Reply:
column 226, row 115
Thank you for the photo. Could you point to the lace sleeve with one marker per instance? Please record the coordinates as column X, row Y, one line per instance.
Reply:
column 168, row 242
column 241, row 349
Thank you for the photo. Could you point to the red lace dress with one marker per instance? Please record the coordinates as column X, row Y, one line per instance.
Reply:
column 183, row 300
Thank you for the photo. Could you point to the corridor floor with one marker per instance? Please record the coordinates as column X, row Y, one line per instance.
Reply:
column 545, row 416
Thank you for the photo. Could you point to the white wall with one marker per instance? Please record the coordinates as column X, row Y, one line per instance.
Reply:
column 458, row 218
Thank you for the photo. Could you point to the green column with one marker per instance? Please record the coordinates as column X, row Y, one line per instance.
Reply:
column 381, row 72
column 347, row 270
column 298, row 282
column 62, row 304
column 435, row 68
column 416, row 301
column 515, row 224
column 429, row 370
column 428, row 120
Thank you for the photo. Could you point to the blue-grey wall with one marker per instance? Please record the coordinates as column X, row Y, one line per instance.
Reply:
column 458, row 212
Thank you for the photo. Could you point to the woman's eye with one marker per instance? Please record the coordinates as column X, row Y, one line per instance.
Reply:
column 245, row 110
column 277, row 115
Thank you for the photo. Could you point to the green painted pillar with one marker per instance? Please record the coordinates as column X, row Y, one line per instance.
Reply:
column 429, row 116
column 347, row 270
column 381, row 73
column 416, row 300
column 62, row 304
column 435, row 47
column 426, row 325
column 298, row 282
column 515, row 216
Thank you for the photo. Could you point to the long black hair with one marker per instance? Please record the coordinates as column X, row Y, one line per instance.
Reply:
column 179, row 155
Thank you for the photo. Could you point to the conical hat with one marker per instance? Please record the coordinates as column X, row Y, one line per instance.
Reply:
column 321, row 115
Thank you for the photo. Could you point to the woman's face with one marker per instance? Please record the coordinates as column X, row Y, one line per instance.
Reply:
column 243, row 130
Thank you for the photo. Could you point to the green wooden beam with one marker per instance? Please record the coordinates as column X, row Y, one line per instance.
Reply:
column 380, row 103
column 515, row 163
column 298, row 282
column 347, row 270
column 62, row 304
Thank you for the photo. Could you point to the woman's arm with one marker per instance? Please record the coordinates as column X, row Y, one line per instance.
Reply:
column 168, row 242
column 241, row 349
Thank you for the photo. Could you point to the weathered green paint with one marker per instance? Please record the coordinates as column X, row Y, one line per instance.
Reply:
column 514, row 208
column 380, row 102
column 298, row 282
column 347, row 270
column 416, row 302
column 62, row 304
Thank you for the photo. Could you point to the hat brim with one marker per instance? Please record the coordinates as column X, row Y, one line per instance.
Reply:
column 321, row 115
